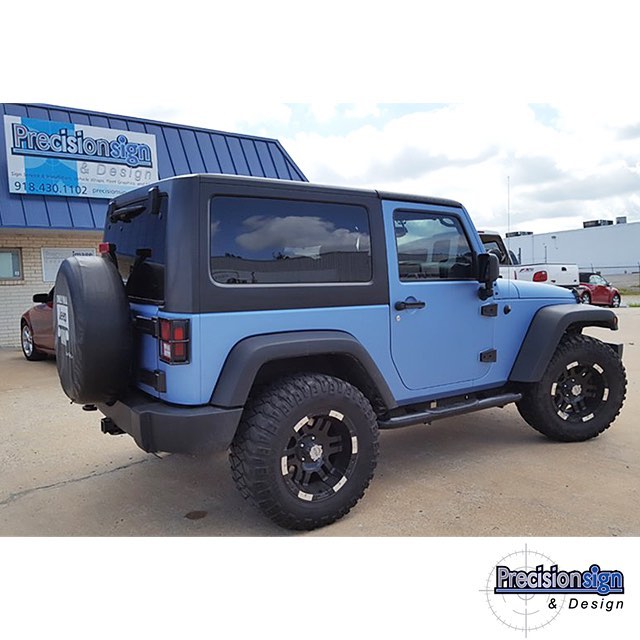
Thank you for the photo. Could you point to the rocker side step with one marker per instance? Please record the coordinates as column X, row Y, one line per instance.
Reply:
column 468, row 406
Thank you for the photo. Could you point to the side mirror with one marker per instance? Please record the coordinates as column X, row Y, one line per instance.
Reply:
column 488, row 268
column 488, row 273
column 41, row 298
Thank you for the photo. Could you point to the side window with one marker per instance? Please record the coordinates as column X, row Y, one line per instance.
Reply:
column 431, row 247
column 274, row 241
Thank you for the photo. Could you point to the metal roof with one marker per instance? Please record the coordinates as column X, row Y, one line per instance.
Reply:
column 181, row 150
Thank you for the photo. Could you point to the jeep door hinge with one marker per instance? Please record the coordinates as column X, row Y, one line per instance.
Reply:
column 155, row 379
column 490, row 355
column 489, row 310
column 149, row 326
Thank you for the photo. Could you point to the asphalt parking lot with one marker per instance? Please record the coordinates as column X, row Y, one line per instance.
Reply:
column 484, row 474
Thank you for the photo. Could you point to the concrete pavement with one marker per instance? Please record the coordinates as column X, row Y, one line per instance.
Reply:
column 484, row 474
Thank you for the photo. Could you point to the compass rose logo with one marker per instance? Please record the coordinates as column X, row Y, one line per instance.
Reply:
column 523, row 612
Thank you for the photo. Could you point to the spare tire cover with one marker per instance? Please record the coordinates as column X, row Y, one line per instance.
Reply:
column 93, row 331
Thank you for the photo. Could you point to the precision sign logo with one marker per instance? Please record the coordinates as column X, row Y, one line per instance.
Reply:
column 541, row 580
column 70, row 159
column 75, row 145
column 527, row 590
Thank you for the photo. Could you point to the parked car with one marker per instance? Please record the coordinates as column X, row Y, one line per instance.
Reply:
column 594, row 289
column 559, row 274
column 36, row 328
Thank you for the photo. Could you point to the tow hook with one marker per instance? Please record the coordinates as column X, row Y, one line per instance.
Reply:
column 108, row 426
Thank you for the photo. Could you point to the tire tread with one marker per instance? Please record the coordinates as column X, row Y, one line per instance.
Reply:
column 535, row 407
column 251, row 452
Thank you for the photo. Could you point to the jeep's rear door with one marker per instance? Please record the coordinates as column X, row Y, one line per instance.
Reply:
column 442, row 334
column 136, row 229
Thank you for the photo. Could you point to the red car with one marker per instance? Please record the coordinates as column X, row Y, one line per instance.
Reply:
column 594, row 289
column 36, row 328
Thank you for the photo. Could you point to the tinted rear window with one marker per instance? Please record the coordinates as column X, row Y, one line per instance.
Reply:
column 142, row 235
column 273, row 241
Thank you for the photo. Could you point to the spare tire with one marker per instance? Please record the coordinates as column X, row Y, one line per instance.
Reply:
column 93, row 330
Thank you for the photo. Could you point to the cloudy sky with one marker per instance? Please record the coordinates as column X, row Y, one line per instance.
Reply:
column 550, row 165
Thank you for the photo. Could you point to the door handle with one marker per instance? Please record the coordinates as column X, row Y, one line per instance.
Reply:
column 411, row 304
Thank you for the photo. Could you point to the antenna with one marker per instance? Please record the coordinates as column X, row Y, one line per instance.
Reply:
column 508, row 205
column 508, row 238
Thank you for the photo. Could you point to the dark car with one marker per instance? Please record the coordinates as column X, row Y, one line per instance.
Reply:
column 594, row 289
column 36, row 328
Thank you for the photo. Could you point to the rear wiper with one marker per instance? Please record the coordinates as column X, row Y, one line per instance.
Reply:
column 129, row 212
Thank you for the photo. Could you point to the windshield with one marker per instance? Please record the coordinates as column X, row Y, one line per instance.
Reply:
column 493, row 244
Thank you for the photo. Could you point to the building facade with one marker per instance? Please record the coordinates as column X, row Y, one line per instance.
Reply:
column 612, row 249
column 59, row 167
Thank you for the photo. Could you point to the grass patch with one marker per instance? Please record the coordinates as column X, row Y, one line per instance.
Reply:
column 629, row 291
column 634, row 304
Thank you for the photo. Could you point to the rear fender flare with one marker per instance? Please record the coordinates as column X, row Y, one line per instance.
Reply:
column 249, row 355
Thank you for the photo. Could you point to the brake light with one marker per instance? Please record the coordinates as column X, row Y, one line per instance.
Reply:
column 540, row 276
column 106, row 248
column 174, row 341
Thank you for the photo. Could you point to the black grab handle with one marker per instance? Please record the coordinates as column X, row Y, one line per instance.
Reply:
column 403, row 304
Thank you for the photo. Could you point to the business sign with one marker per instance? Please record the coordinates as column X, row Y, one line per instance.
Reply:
column 76, row 160
column 53, row 258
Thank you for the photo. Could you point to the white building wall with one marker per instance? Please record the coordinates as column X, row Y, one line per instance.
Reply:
column 613, row 249
column 16, row 295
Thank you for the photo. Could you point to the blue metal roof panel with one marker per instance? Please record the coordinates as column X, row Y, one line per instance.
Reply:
column 181, row 149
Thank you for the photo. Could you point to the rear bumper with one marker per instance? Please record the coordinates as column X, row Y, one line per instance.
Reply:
column 157, row 426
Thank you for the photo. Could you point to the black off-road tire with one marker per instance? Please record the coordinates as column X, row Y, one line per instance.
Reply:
column 580, row 394
column 306, row 450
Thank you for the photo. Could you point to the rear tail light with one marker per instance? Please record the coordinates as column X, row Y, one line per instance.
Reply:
column 540, row 276
column 174, row 341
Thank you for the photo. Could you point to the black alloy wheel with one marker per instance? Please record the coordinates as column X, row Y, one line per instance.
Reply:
column 319, row 456
column 579, row 391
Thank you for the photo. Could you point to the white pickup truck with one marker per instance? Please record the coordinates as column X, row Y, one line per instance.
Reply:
column 563, row 275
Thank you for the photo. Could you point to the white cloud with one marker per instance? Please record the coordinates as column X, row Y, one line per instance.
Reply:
column 578, row 165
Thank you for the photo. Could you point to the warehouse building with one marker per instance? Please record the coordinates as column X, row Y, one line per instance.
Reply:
column 59, row 168
column 611, row 249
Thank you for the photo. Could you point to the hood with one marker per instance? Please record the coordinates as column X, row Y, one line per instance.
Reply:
column 540, row 290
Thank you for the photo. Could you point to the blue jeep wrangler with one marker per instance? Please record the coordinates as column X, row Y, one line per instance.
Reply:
column 289, row 322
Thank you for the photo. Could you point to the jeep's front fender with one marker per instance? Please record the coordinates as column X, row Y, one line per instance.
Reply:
column 249, row 355
column 545, row 332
